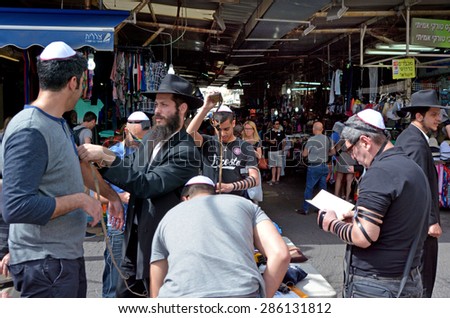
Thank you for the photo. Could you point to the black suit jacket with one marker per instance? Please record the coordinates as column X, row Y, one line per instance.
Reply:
column 416, row 146
column 154, row 188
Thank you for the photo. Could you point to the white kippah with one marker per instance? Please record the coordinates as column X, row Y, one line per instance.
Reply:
column 372, row 118
column 57, row 51
column 200, row 180
column 138, row 116
column 224, row 109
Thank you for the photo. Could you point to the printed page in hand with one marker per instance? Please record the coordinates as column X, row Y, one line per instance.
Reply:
column 326, row 201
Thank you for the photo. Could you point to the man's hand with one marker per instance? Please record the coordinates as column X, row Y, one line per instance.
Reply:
column 93, row 207
column 101, row 155
column 435, row 230
column 116, row 215
column 226, row 188
column 4, row 265
column 324, row 219
column 125, row 197
column 211, row 100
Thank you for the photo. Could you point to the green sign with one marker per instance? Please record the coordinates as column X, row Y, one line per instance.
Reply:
column 404, row 68
column 430, row 32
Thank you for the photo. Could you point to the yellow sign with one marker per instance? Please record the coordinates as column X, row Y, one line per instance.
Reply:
column 404, row 68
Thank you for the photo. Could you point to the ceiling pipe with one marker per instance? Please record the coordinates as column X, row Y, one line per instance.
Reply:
column 171, row 26
column 390, row 13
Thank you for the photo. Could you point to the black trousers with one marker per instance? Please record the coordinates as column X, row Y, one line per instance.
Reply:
column 131, row 287
column 429, row 265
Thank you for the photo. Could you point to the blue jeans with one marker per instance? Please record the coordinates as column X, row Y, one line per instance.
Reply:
column 110, row 273
column 314, row 175
column 50, row 278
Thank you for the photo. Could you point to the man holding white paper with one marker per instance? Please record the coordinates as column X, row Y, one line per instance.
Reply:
column 388, row 214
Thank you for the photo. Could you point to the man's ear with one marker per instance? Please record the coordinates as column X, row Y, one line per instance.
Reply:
column 73, row 83
column 184, row 108
column 184, row 198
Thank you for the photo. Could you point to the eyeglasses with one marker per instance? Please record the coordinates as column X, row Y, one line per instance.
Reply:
column 349, row 150
column 134, row 121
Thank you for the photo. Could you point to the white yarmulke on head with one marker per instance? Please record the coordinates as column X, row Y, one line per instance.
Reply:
column 138, row 116
column 372, row 118
column 224, row 109
column 200, row 180
column 57, row 51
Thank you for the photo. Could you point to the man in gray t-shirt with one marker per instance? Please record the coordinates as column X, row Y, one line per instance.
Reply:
column 317, row 149
column 204, row 247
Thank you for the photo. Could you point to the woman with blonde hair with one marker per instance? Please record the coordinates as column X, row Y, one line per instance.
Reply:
column 250, row 135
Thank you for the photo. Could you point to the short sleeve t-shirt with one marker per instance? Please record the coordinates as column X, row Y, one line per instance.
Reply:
column 395, row 187
column 318, row 148
column 238, row 157
column 279, row 136
column 217, row 259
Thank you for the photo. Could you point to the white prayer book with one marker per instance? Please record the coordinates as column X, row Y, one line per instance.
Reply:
column 324, row 200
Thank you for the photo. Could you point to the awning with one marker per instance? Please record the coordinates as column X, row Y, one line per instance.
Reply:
column 26, row 27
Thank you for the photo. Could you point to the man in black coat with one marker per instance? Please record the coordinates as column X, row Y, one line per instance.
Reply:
column 425, row 118
column 154, row 176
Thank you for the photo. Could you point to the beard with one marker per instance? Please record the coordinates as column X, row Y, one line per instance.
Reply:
column 161, row 133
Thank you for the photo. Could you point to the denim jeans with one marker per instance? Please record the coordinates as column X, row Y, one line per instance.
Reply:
column 50, row 278
column 413, row 287
column 110, row 273
column 314, row 175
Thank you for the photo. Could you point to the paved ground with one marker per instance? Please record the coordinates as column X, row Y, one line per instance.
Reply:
column 324, row 250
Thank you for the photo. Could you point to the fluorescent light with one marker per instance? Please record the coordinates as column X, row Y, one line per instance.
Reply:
column 247, row 55
column 8, row 58
column 304, row 89
column 309, row 29
column 256, row 50
column 387, row 52
column 269, row 39
column 402, row 47
column 308, row 83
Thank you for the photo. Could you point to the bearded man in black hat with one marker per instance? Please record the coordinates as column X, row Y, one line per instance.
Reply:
column 154, row 176
column 425, row 118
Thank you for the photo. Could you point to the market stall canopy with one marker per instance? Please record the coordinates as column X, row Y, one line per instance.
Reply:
column 78, row 28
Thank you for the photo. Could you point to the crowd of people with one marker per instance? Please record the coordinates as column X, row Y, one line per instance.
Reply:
column 179, row 209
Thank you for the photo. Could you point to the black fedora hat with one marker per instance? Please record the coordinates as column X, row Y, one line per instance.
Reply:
column 422, row 99
column 173, row 84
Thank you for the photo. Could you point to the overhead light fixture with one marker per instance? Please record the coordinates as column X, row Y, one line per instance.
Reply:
column 9, row 58
column 402, row 47
column 171, row 69
column 247, row 55
column 270, row 40
column 335, row 13
column 304, row 89
column 91, row 63
column 309, row 29
column 308, row 83
column 256, row 50
column 388, row 52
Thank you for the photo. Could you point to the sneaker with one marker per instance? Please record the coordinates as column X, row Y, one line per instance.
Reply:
column 301, row 211
column 277, row 182
column 269, row 182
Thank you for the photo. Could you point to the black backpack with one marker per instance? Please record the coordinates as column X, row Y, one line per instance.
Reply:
column 76, row 135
